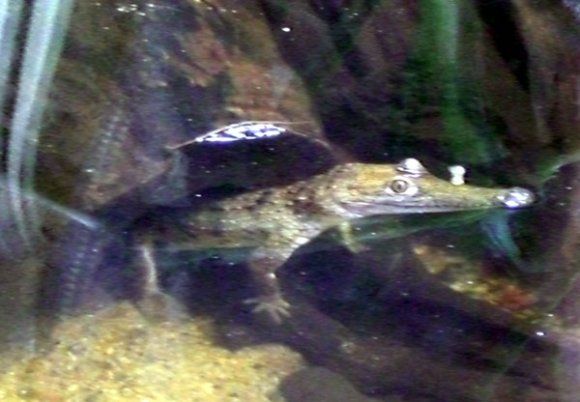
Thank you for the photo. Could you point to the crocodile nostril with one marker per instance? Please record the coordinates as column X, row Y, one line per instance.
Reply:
column 516, row 197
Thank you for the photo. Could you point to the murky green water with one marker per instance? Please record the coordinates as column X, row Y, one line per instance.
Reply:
column 154, row 247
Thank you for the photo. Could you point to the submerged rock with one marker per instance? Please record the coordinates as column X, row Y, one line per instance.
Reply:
column 317, row 384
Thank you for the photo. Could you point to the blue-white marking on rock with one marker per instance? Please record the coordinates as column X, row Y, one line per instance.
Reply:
column 247, row 130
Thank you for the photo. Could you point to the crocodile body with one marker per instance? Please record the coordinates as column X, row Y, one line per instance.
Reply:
column 276, row 221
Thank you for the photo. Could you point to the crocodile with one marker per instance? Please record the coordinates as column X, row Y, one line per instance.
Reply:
column 275, row 222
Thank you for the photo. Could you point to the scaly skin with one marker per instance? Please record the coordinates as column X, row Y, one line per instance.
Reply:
column 275, row 222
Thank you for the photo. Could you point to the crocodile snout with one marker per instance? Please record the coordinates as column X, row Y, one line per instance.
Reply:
column 516, row 197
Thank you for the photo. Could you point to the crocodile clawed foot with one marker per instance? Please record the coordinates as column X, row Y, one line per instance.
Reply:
column 159, row 307
column 273, row 305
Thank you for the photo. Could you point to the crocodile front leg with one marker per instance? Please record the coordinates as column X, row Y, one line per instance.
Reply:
column 263, row 265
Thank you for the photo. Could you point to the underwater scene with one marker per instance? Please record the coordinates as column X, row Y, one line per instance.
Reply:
column 290, row 201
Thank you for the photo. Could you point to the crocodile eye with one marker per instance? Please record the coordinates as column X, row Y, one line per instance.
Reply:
column 399, row 186
column 403, row 186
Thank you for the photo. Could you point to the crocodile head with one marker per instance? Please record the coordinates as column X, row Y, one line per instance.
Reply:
column 373, row 189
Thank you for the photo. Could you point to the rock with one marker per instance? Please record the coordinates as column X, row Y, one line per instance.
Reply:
column 317, row 384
